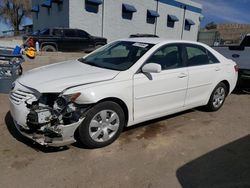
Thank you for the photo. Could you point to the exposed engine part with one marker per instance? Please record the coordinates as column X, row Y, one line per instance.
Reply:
column 39, row 116
column 50, row 111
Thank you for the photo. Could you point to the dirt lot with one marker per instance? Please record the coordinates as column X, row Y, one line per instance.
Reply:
column 190, row 149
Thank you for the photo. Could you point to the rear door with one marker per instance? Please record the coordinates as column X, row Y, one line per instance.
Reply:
column 203, row 70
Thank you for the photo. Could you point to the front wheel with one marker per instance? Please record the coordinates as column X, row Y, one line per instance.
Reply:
column 102, row 125
column 217, row 97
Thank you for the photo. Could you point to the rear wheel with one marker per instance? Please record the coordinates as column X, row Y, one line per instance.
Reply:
column 48, row 48
column 217, row 97
column 102, row 125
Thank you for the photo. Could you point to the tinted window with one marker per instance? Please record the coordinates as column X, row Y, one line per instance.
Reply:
column 82, row 34
column 197, row 55
column 119, row 55
column 57, row 32
column 168, row 57
column 69, row 33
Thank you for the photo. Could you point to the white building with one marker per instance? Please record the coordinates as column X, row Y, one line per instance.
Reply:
column 114, row 19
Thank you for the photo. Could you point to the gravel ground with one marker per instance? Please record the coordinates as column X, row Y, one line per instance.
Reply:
column 190, row 149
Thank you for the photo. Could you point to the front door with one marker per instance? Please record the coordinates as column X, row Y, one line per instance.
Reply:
column 156, row 94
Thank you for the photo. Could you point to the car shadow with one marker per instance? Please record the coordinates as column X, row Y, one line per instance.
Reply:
column 139, row 126
column 154, row 121
column 241, row 91
column 19, row 137
column 225, row 167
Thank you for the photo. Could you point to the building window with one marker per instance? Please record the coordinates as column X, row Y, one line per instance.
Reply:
column 93, row 5
column 171, row 20
column 127, row 11
column 188, row 24
column 151, row 16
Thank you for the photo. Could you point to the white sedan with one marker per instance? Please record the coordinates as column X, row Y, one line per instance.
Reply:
column 121, row 84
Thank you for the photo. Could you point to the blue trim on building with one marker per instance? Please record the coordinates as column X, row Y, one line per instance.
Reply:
column 152, row 13
column 128, row 8
column 189, row 22
column 181, row 5
column 97, row 2
column 173, row 18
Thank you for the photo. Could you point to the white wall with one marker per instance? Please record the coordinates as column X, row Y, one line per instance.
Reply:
column 193, row 33
column 82, row 19
column 162, row 29
column 116, row 27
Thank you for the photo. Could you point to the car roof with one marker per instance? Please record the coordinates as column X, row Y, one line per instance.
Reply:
column 153, row 40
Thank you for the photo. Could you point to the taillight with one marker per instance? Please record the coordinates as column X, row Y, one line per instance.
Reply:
column 236, row 68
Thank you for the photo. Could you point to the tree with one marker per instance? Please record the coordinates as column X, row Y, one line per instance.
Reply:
column 211, row 25
column 13, row 12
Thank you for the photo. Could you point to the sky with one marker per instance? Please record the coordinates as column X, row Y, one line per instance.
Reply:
column 225, row 11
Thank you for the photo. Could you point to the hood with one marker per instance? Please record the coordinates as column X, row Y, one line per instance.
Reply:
column 60, row 76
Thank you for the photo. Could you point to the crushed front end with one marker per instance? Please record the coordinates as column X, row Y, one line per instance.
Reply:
column 49, row 118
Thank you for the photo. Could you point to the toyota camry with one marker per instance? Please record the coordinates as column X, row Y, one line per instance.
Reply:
column 121, row 84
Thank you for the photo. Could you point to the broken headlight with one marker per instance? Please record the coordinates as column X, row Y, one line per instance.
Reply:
column 64, row 100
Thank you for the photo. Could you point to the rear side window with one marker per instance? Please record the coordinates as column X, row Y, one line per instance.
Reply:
column 82, row 34
column 198, row 55
column 70, row 33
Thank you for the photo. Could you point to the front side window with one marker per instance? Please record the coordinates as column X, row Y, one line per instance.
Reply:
column 169, row 57
column 198, row 55
column 119, row 55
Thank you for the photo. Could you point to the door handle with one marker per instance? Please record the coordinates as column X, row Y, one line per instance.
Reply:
column 217, row 69
column 182, row 75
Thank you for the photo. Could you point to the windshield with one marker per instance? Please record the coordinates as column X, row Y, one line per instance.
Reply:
column 119, row 55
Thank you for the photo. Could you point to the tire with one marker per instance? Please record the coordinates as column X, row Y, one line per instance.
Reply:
column 217, row 97
column 48, row 48
column 95, row 132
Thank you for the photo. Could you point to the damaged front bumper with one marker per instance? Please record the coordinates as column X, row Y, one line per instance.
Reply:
column 49, row 120
column 65, row 138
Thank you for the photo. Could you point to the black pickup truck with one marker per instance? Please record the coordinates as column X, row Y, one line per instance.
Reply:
column 65, row 39
column 241, row 55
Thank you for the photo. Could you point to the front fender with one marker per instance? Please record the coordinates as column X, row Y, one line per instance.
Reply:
column 93, row 93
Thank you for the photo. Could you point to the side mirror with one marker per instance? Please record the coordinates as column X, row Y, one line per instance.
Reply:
column 151, row 68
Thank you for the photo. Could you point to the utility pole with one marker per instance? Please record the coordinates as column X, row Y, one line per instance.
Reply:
column 103, row 6
column 183, row 22
column 157, row 9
